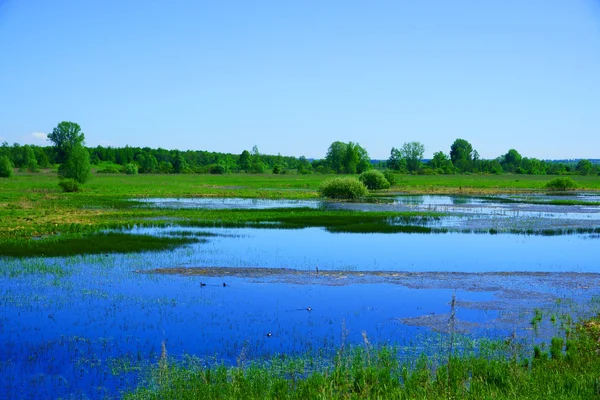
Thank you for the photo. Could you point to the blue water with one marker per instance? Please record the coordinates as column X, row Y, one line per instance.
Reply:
column 96, row 331
column 462, row 205
column 308, row 248
column 214, row 203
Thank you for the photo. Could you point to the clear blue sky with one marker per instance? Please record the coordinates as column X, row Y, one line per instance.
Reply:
column 294, row 76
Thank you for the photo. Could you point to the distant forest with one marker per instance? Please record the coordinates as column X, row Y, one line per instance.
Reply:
column 341, row 158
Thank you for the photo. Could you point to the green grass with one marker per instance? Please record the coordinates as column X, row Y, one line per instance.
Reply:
column 569, row 370
column 32, row 204
column 95, row 243
column 487, row 184
column 19, row 267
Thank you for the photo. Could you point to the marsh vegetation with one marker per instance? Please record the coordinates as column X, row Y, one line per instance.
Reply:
column 254, row 284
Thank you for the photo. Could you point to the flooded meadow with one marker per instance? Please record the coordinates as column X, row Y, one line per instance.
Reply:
column 94, row 326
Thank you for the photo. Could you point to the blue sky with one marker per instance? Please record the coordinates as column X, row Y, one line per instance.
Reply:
column 294, row 76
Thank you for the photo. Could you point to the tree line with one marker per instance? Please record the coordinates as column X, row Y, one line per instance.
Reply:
column 341, row 158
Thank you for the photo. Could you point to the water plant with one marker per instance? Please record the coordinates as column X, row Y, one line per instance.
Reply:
column 364, row 372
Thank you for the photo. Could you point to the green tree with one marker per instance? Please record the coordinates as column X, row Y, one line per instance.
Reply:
column 179, row 164
column 66, row 136
column 42, row 158
column 147, row 163
column 77, row 165
column 533, row 166
column 584, row 167
column 165, row 167
column 360, row 154
column 6, row 168
column 349, row 158
column 256, row 164
column 461, row 154
column 130, row 169
column 304, row 166
column 395, row 158
column 29, row 160
column 336, row 156
column 441, row 162
column 412, row 152
column 511, row 161
column 244, row 162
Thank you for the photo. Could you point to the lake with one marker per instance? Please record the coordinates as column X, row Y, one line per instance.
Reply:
column 244, row 295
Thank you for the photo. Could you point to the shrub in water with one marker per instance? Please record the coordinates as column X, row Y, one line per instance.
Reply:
column 374, row 180
column 343, row 188
column 561, row 184
column 70, row 185
column 130, row 169
column 6, row 169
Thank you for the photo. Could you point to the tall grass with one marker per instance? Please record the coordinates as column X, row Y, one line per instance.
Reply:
column 96, row 243
column 569, row 370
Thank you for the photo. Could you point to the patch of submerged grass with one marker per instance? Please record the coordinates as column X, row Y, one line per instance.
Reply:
column 568, row 370
column 15, row 268
column 552, row 202
column 183, row 233
column 298, row 218
column 381, row 228
column 96, row 243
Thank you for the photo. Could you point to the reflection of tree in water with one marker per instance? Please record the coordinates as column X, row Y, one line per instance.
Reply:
column 416, row 200
column 460, row 200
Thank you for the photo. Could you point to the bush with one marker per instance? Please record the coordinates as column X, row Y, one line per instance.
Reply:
column 218, row 169
column 343, row 188
column 561, row 184
column 374, row 180
column 109, row 169
column 70, row 185
column 130, row 169
column 33, row 166
column 6, row 169
column 390, row 176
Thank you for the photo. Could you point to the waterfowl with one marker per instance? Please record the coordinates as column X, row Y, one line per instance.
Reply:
column 308, row 308
column 224, row 284
column 202, row 284
column 269, row 334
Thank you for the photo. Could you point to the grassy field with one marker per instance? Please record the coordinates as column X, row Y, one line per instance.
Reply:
column 32, row 204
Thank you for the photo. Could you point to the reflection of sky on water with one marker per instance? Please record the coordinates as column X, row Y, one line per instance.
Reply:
column 67, row 337
column 474, row 206
column 96, row 330
column 463, row 212
column 227, row 203
column 308, row 248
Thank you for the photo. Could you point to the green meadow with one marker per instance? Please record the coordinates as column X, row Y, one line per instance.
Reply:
column 33, row 206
